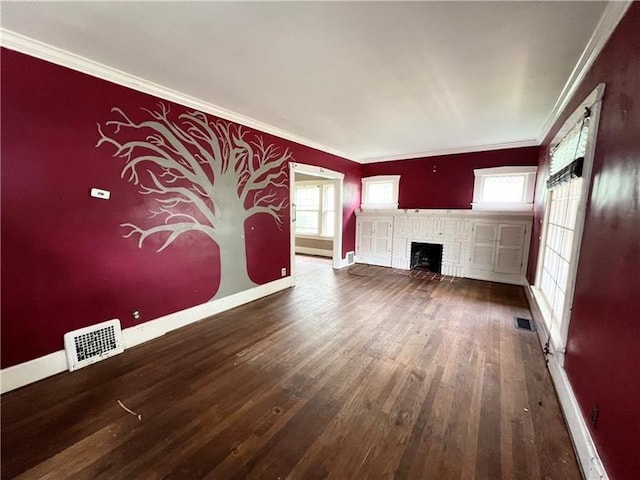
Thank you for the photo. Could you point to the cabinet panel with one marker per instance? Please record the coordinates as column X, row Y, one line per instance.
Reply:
column 483, row 246
column 511, row 235
column 374, row 236
column 508, row 260
column 485, row 233
column 365, row 237
column 482, row 257
column 510, row 248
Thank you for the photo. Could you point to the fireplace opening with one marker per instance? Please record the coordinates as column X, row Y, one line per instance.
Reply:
column 426, row 256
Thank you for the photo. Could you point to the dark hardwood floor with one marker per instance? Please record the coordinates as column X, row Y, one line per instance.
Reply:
column 350, row 375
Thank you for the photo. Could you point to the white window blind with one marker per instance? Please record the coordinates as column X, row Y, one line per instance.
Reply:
column 572, row 146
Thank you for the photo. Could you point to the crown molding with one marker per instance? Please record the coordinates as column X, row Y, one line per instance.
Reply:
column 43, row 51
column 611, row 16
column 453, row 151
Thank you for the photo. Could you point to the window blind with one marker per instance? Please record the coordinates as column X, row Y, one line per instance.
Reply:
column 568, row 155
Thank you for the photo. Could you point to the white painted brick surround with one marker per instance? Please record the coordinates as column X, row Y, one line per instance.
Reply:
column 451, row 228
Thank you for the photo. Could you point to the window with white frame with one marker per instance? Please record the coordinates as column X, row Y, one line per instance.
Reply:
column 315, row 210
column 380, row 191
column 504, row 188
column 571, row 157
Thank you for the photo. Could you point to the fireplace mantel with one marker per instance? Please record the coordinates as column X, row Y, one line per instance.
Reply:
column 446, row 213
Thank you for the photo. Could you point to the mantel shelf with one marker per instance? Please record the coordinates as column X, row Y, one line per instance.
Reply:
column 445, row 212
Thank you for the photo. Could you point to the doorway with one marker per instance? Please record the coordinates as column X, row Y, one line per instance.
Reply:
column 318, row 218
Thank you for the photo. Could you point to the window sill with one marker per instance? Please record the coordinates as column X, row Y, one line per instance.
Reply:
column 503, row 207
column 556, row 344
column 379, row 206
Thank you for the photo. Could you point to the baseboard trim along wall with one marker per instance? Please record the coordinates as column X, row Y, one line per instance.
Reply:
column 583, row 444
column 25, row 373
column 314, row 251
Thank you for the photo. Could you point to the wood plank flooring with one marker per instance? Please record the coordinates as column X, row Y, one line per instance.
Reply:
column 349, row 375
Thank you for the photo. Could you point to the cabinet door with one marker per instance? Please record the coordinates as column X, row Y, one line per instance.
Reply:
column 364, row 229
column 382, row 239
column 483, row 246
column 374, row 236
column 509, row 248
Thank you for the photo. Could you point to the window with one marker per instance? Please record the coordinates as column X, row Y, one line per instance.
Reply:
column 504, row 188
column 380, row 191
column 570, row 170
column 315, row 211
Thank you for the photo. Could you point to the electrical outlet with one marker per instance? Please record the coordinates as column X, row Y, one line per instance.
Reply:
column 283, row 272
column 135, row 314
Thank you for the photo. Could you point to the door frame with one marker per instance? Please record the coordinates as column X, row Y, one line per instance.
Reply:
column 338, row 180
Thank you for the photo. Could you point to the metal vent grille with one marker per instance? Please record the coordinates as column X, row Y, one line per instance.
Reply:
column 351, row 259
column 525, row 324
column 92, row 344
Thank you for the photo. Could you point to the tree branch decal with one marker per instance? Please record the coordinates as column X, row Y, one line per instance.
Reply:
column 204, row 175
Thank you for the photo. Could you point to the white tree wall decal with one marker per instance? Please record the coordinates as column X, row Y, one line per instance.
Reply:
column 204, row 176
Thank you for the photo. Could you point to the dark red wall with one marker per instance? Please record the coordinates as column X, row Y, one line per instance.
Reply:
column 603, row 350
column 65, row 263
column 446, row 181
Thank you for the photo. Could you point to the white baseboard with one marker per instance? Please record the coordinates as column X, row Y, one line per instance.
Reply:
column 25, row 373
column 512, row 279
column 314, row 251
column 22, row 374
column 583, row 444
column 342, row 263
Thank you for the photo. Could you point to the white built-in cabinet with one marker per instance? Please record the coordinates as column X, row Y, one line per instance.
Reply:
column 373, row 242
column 498, row 250
column 476, row 244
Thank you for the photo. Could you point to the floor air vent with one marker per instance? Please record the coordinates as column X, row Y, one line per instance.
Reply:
column 525, row 324
column 92, row 344
column 351, row 258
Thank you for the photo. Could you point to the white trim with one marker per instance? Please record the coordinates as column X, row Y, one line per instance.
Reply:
column 338, row 178
column 578, row 114
column 311, row 183
column 315, row 171
column 516, row 207
column 343, row 263
column 462, row 212
column 507, row 170
column 583, row 444
column 394, row 180
column 526, row 198
column 22, row 374
column 155, row 328
column 594, row 102
column 315, row 251
column 512, row 279
column 43, row 51
column 611, row 16
column 452, row 151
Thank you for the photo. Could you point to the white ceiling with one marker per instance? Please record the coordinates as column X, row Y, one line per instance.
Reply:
column 372, row 81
